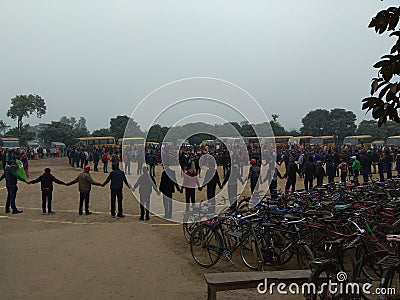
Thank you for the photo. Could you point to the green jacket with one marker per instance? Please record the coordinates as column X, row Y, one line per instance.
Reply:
column 356, row 166
column 11, row 176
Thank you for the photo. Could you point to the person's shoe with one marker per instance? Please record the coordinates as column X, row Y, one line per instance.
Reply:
column 112, row 216
column 43, row 213
column 80, row 213
column 17, row 211
column 8, row 211
column 141, row 218
column 51, row 212
column 147, row 218
column 121, row 216
column 88, row 213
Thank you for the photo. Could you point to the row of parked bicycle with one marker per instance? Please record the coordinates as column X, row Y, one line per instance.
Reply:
column 331, row 229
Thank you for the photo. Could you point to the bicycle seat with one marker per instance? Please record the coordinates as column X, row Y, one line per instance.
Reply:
column 393, row 237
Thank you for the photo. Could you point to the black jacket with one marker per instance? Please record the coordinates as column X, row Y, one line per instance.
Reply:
column 46, row 181
column 167, row 184
column 117, row 178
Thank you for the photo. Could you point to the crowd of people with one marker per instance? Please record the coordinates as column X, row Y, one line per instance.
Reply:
column 302, row 163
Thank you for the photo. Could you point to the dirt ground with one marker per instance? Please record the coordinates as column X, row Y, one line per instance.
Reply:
column 67, row 256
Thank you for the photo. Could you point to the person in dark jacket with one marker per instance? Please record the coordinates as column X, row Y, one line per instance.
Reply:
column 146, row 185
column 46, row 186
column 319, row 173
column 117, row 178
column 167, row 188
column 11, row 176
column 309, row 173
column 330, row 170
column 211, row 180
column 291, row 171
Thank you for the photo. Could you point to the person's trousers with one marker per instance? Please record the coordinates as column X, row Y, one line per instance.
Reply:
column 47, row 198
column 365, row 173
column 308, row 183
column 320, row 181
column 167, row 201
column 343, row 176
column 232, row 192
column 190, row 197
column 84, row 197
column 144, row 206
column 356, row 173
column 105, row 167
column 11, row 195
column 96, row 166
column 290, row 184
column 211, row 198
column 116, row 194
column 152, row 170
column 273, row 186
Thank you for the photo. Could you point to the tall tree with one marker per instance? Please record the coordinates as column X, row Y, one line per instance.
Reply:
column 118, row 125
column 101, row 132
column 384, row 100
column 337, row 122
column 80, row 129
column 24, row 106
column 58, row 132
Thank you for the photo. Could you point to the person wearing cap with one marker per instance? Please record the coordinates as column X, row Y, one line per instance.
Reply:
column 254, row 174
column 356, row 166
column 12, row 177
column 85, row 185
column 46, row 186
column 117, row 178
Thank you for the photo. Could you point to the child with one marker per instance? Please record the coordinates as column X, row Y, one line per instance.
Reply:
column 46, row 185
column 190, row 182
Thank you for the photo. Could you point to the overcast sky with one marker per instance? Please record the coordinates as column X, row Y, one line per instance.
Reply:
column 99, row 59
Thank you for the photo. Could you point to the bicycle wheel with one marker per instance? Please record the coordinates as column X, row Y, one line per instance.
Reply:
column 189, row 224
column 206, row 245
column 370, row 268
column 304, row 257
column 250, row 253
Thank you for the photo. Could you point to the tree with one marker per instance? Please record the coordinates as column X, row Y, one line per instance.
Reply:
column 69, row 121
column 384, row 99
column 58, row 132
column 337, row 122
column 156, row 133
column 24, row 106
column 80, row 129
column 371, row 127
column 3, row 127
column 22, row 133
column 118, row 125
column 277, row 128
column 101, row 132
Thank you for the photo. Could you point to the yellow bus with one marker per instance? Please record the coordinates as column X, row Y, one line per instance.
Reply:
column 9, row 143
column 132, row 141
column 282, row 140
column 302, row 140
column 324, row 140
column 98, row 142
column 393, row 140
column 364, row 141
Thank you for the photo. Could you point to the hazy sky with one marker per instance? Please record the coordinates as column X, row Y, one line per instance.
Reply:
column 98, row 59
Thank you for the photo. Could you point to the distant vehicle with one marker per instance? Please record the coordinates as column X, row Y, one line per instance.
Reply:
column 33, row 144
column 364, row 141
column 393, row 141
column 324, row 140
column 132, row 141
column 378, row 143
column 303, row 140
column 9, row 143
column 98, row 142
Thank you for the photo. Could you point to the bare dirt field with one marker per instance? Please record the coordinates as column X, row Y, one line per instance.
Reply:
column 67, row 256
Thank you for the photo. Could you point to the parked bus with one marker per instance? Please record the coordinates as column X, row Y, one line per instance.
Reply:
column 324, row 140
column 9, row 143
column 393, row 141
column 98, row 142
column 364, row 141
column 132, row 141
column 282, row 140
column 303, row 140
